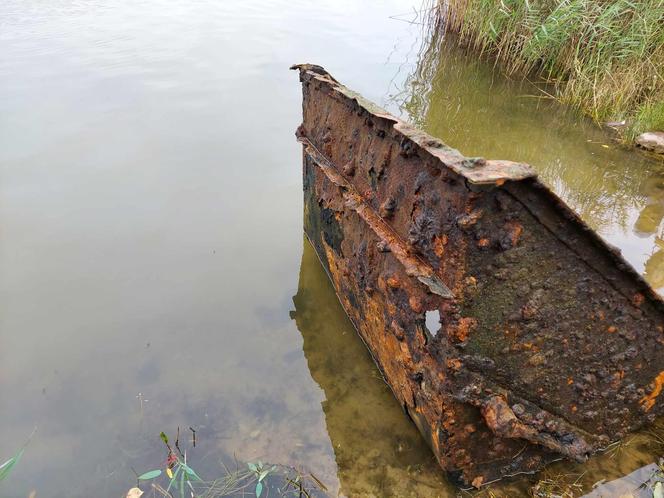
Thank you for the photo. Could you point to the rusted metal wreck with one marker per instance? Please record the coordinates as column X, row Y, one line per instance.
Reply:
column 548, row 343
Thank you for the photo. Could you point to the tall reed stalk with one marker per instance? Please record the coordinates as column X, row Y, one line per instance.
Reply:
column 604, row 56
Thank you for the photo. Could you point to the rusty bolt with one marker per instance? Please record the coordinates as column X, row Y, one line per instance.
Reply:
column 393, row 282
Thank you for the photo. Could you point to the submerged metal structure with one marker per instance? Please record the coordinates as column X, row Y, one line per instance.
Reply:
column 547, row 343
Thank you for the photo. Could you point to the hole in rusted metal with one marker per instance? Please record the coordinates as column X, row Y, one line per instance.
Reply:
column 432, row 321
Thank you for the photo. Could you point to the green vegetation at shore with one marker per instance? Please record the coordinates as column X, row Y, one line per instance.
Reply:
column 605, row 57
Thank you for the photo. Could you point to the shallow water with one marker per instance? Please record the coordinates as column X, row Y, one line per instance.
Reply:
column 152, row 269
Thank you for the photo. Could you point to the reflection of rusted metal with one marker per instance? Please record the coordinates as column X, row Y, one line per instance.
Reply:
column 549, row 342
column 377, row 448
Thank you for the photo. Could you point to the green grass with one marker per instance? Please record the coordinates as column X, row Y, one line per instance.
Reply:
column 649, row 116
column 605, row 57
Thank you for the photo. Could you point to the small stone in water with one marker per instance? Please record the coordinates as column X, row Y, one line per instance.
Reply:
column 652, row 140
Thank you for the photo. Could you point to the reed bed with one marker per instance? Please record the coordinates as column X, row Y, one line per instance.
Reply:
column 606, row 57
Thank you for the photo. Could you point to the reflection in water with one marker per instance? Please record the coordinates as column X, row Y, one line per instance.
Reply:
column 377, row 449
column 637, row 484
column 473, row 108
column 648, row 226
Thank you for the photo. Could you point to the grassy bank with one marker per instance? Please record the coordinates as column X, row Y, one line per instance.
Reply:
column 605, row 57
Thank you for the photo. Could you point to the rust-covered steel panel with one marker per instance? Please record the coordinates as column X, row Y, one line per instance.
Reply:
column 548, row 343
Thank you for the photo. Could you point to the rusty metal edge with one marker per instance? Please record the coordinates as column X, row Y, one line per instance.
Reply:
column 476, row 170
column 479, row 171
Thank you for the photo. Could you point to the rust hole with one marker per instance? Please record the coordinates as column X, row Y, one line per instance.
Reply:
column 432, row 322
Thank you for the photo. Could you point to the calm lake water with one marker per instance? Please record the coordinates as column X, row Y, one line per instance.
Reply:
column 153, row 273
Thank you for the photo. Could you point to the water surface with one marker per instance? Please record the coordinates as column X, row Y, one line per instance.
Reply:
column 151, row 230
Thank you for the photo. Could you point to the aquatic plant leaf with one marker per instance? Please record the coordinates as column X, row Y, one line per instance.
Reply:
column 169, row 473
column 259, row 489
column 658, row 490
column 252, row 466
column 134, row 493
column 149, row 475
column 164, row 437
column 190, row 472
column 6, row 467
column 173, row 476
column 262, row 475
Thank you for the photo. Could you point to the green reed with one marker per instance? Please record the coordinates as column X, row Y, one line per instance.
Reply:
column 605, row 57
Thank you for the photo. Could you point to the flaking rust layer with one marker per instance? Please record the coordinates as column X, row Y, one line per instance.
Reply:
column 548, row 345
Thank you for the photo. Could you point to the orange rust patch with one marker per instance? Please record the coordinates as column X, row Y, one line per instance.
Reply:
column 471, row 218
column 515, row 229
column 511, row 332
column 393, row 282
column 483, row 242
column 439, row 245
column 463, row 330
column 454, row 364
column 611, row 329
column 647, row 402
column 415, row 304
column 570, row 381
column 477, row 482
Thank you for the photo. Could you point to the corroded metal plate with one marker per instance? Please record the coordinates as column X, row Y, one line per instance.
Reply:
column 547, row 342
